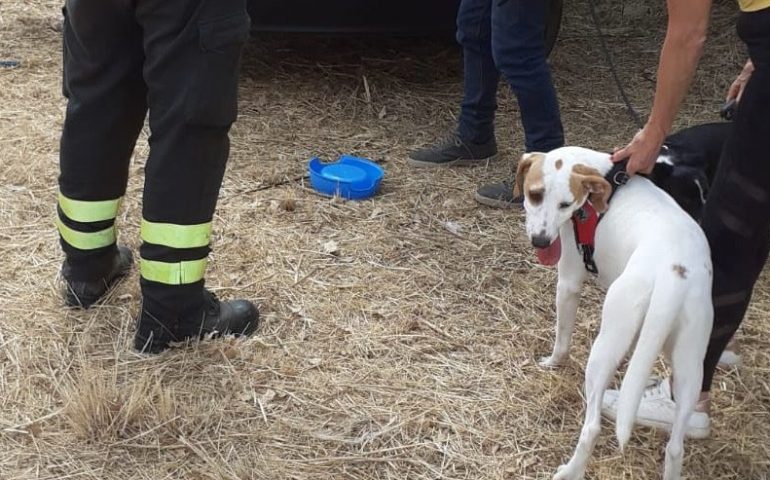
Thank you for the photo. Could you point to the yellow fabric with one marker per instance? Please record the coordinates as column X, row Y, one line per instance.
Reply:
column 753, row 5
column 87, row 212
column 176, row 236
column 181, row 273
column 84, row 240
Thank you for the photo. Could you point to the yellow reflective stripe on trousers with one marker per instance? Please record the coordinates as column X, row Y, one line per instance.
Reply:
column 87, row 212
column 180, row 273
column 176, row 236
column 84, row 240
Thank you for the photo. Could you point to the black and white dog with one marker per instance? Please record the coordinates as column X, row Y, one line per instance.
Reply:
column 688, row 163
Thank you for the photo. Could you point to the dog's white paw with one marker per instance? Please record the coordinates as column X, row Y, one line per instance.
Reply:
column 552, row 362
column 564, row 472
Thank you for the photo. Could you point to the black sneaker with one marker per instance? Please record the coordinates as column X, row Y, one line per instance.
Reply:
column 83, row 294
column 452, row 151
column 234, row 317
column 498, row 195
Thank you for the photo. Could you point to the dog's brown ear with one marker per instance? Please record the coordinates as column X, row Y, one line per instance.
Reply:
column 525, row 163
column 599, row 190
column 588, row 181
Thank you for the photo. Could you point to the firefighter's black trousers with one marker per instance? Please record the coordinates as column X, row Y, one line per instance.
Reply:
column 179, row 60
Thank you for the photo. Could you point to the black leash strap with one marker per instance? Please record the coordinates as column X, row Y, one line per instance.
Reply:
column 728, row 109
column 631, row 111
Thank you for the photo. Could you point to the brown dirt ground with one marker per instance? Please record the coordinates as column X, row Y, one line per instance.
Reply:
column 409, row 352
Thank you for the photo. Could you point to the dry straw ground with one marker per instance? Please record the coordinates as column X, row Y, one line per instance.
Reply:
column 400, row 334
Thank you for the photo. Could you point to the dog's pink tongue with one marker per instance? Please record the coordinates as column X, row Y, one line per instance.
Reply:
column 550, row 255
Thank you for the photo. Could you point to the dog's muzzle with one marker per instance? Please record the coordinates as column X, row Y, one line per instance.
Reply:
column 541, row 241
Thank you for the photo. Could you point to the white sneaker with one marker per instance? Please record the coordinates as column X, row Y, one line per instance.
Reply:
column 729, row 359
column 657, row 410
column 730, row 356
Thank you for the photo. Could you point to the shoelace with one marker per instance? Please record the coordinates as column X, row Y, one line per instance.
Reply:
column 451, row 138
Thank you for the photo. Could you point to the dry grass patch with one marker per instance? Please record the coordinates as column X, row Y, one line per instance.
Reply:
column 400, row 335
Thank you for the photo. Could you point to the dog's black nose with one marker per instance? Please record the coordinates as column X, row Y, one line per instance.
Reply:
column 540, row 241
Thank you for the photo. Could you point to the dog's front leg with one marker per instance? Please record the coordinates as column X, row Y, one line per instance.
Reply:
column 572, row 274
column 567, row 297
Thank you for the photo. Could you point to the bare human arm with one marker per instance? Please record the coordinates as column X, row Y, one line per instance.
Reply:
column 685, row 36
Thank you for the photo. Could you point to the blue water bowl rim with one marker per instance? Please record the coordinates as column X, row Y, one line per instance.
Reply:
column 338, row 186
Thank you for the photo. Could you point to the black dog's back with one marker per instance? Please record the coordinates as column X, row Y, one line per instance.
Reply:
column 689, row 162
column 699, row 146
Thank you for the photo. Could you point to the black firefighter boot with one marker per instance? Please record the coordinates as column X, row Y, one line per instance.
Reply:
column 155, row 330
column 84, row 293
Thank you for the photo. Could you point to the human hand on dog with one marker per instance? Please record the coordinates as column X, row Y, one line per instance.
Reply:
column 735, row 92
column 643, row 150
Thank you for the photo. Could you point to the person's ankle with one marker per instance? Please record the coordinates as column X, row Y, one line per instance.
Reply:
column 704, row 403
column 475, row 138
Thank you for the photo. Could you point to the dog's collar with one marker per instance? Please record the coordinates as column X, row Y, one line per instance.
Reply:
column 617, row 176
column 586, row 218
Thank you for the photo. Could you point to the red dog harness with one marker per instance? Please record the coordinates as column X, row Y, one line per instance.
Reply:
column 585, row 221
column 586, row 218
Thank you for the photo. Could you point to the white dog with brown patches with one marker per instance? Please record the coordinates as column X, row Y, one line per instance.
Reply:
column 654, row 261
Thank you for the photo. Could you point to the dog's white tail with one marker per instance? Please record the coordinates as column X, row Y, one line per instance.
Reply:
column 666, row 301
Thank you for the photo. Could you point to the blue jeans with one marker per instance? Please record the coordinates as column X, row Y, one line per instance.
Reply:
column 508, row 37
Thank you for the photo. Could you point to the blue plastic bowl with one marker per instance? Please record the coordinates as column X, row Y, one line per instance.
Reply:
column 349, row 177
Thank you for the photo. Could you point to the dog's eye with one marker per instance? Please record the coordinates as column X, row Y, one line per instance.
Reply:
column 565, row 205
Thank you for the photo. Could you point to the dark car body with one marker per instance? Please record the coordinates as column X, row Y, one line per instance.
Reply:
column 356, row 16
column 372, row 16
